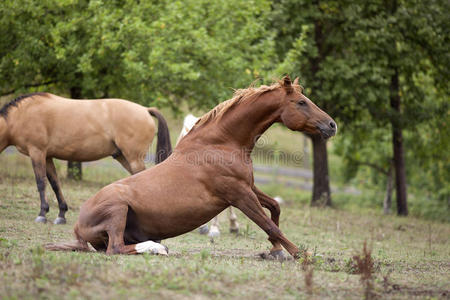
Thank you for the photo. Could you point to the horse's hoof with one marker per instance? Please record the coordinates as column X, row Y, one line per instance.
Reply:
column 41, row 219
column 59, row 221
column 278, row 254
column 203, row 229
column 234, row 230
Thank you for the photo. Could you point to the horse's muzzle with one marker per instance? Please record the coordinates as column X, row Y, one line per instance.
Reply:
column 327, row 129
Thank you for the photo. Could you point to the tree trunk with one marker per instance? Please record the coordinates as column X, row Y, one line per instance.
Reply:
column 321, row 184
column 321, row 190
column 74, row 169
column 397, row 142
column 387, row 203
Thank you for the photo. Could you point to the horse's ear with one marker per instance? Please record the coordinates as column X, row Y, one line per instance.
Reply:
column 295, row 81
column 287, row 84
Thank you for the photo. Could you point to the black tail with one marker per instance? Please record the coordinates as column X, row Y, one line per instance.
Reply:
column 163, row 147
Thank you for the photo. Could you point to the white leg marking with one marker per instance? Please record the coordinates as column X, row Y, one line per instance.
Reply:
column 214, row 231
column 151, row 247
column 234, row 225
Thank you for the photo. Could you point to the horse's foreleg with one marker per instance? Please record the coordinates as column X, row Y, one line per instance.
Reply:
column 39, row 168
column 274, row 208
column 56, row 186
column 234, row 225
column 248, row 203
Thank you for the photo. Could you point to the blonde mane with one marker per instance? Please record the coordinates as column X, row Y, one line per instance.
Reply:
column 240, row 96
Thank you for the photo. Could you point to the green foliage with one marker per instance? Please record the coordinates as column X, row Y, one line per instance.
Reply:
column 159, row 52
column 346, row 52
column 169, row 53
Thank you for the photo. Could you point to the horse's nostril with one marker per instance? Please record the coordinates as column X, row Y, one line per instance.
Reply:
column 332, row 124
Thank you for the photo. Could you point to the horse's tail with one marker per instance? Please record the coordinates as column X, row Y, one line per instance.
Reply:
column 78, row 245
column 163, row 147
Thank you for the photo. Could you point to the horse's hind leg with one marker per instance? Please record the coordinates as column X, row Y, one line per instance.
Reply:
column 56, row 186
column 116, row 244
column 274, row 208
column 38, row 162
column 247, row 201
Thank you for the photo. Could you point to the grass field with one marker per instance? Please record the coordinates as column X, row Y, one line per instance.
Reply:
column 411, row 257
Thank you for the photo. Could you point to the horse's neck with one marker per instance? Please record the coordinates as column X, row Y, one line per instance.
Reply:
column 246, row 122
column 3, row 134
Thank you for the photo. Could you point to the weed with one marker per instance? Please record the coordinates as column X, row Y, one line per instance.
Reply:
column 306, row 259
column 386, row 281
column 308, row 273
column 248, row 232
column 204, row 254
column 365, row 267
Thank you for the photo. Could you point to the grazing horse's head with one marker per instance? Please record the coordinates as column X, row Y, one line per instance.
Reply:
column 301, row 114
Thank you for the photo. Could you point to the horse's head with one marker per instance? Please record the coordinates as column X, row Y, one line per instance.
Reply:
column 301, row 114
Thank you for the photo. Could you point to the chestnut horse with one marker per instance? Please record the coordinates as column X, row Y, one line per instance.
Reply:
column 45, row 126
column 213, row 231
column 210, row 170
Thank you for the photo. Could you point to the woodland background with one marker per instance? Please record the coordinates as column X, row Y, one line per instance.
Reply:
column 380, row 68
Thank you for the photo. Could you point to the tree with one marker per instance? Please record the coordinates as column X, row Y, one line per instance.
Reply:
column 397, row 45
column 158, row 53
column 376, row 66
column 310, row 42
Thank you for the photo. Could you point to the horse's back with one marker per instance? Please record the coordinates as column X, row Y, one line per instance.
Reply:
column 81, row 129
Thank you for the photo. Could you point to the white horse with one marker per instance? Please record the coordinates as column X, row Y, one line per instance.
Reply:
column 213, row 231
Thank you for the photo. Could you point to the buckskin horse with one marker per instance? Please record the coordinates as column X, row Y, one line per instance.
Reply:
column 45, row 126
column 208, row 171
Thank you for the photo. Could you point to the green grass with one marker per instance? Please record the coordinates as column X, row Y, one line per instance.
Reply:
column 411, row 256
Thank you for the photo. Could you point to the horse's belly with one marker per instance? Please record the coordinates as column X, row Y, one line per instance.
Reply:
column 82, row 152
column 177, row 218
column 172, row 198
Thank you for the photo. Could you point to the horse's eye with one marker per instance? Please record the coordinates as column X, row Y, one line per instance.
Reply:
column 302, row 103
